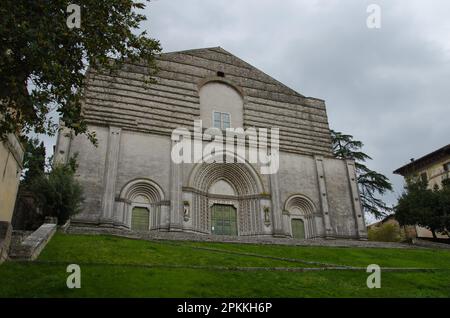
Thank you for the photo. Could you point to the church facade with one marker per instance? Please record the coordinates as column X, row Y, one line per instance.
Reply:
column 131, row 181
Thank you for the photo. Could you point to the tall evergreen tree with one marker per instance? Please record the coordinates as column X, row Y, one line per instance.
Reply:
column 33, row 160
column 371, row 184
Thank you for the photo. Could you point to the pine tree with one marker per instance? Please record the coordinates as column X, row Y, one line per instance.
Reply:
column 371, row 184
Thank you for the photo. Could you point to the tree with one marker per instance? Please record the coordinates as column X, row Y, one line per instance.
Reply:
column 43, row 60
column 371, row 184
column 33, row 160
column 59, row 192
column 429, row 208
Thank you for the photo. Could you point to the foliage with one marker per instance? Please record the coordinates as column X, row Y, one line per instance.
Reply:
column 43, row 61
column 33, row 160
column 59, row 192
column 371, row 183
column 429, row 208
column 387, row 232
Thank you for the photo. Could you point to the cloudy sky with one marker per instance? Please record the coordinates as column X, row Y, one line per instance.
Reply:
column 389, row 87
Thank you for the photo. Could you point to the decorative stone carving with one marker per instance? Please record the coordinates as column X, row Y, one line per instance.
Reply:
column 267, row 216
column 186, row 211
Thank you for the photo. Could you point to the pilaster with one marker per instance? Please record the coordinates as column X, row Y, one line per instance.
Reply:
column 277, row 221
column 176, row 195
column 110, row 175
column 356, row 200
column 329, row 233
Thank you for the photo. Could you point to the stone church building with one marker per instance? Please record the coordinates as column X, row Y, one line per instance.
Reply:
column 130, row 181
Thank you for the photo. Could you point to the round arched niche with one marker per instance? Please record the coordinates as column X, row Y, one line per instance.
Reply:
column 299, row 205
column 142, row 191
column 219, row 96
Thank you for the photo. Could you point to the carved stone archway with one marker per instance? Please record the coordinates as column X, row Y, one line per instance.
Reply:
column 142, row 193
column 301, row 207
column 248, row 189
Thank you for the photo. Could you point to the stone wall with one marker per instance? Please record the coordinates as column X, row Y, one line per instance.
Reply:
column 121, row 99
column 133, row 127
column 328, row 183
column 5, row 240
column 30, row 248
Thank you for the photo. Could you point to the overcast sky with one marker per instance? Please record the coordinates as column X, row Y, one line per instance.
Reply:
column 389, row 87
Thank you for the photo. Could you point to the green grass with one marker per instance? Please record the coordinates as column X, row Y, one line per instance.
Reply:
column 119, row 267
column 411, row 258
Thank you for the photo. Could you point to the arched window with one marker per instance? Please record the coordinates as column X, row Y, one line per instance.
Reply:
column 221, row 105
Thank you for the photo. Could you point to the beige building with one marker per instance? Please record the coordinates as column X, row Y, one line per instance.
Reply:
column 434, row 167
column 11, row 157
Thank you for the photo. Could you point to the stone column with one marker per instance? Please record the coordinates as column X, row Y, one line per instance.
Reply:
column 109, row 179
column 356, row 200
column 323, row 197
column 176, row 195
column 277, row 221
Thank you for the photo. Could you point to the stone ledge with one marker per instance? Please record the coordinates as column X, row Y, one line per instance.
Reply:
column 5, row 239
column 31, row 246
column 430, row 244
column 262, row 239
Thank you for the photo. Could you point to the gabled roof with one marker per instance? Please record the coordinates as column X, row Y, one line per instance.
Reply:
column 424, row 161
column 210, row 51
column 122, row 99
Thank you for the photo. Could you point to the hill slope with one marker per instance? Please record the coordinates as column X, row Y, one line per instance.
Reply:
column 119, row 267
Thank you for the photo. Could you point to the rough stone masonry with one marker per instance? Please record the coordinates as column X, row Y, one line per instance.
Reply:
column 130, row 181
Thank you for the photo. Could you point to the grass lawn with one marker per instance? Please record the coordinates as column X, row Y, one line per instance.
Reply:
column 120, row 267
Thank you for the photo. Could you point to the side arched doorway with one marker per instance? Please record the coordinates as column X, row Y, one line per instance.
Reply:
column 301, row 216
column 142, row 204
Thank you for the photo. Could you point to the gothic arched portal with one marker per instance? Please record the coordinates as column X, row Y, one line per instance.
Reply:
column 235, row 190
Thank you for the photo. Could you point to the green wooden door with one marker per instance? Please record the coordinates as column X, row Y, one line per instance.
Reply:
column 139, row 219
column 223, row 220
column 298, row 228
